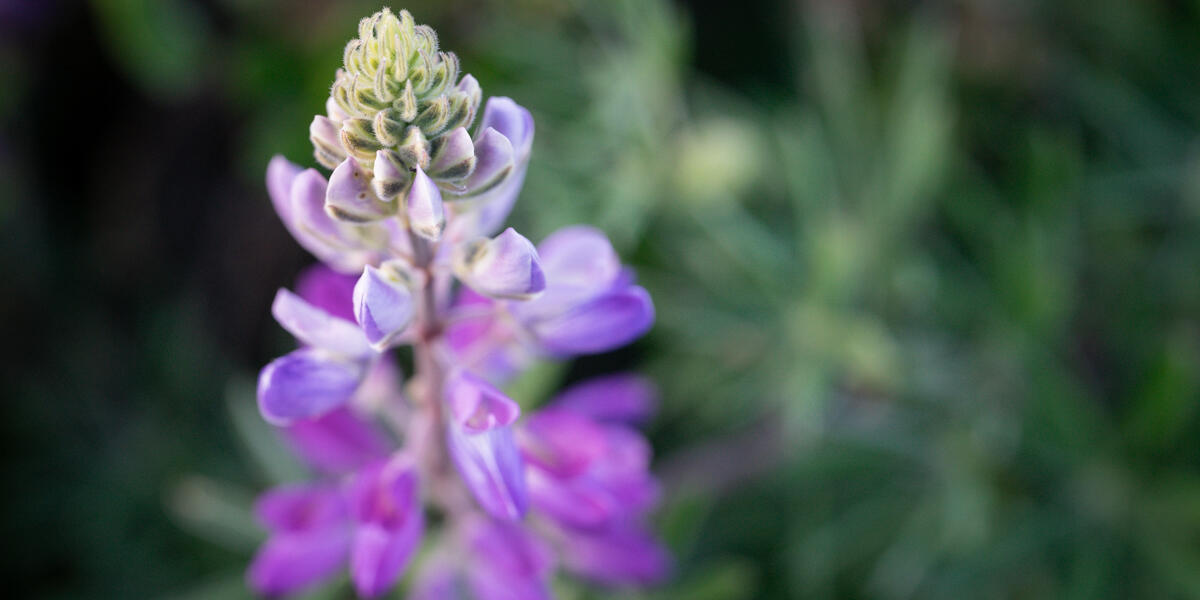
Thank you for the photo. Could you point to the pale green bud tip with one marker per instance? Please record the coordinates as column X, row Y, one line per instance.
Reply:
column 395, row 89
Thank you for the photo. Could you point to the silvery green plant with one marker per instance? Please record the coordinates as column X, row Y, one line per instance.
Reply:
column 408, row 228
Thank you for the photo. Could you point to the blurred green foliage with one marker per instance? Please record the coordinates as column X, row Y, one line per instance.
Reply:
column 927, row 277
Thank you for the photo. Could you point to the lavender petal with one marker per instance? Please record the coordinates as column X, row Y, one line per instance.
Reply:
column 303, row 385
column 599, row 325
column 383, row 307
column 315, row 327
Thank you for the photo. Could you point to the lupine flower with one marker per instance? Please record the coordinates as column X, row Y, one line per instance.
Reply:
column 409, row 230
column 589, row 304
column 588, row 475
column 372, row 521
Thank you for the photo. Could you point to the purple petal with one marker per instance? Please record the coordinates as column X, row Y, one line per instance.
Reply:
column 315, row 327
column 386, row 493
column 493, row 161
column 494, row 207
column 315, row 230
column 328, row 290
column 455, row 154
column 480, row 342
column 579, row 503
column 491, row 466
column 624, row 471
column 382, row 385
column 308, row 211
column 561, row 442
column 379, row 555
column 338, row 442
column 512, row 120
column 464, row 334
column 611, row 480
column 325, row 135
column 516, row 125
column 387, row 506
column 291, row 562
column 579, row 262
column 600, row 325
column 470, row 86
column 301, row 507
column 334, row 111
column 507, row 562
column 426, row 215
column 303, row 385
column 306, row 219
column 391, row 176
column 383, row 306
column 504, row 267
column 618, row 557
column 509, row 549
column 617, row 398
column 476, row 405
column 280, row 175
column 349, row 196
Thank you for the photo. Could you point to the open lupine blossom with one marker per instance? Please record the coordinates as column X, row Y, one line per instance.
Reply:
column 408, row 229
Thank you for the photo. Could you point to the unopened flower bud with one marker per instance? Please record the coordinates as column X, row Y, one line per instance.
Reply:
column 335, row 112
column 461, row 112
column 432, row 120
column 469, row 87
column 326, row 140
column 358, row 138
column 414, row 149
column 389, row 126
column 453, row 155
column 407, row 103
column 349, row 196
column 424, row 207
column 494, row 162
column 506, row 266
column 391, row 176
column 383, row 304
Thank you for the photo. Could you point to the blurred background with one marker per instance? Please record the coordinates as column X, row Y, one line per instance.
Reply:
column 927, row 277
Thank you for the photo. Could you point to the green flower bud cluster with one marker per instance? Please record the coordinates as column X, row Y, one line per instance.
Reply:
column 395, row 100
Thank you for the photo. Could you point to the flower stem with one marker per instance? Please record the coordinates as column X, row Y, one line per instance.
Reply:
column 430, row 375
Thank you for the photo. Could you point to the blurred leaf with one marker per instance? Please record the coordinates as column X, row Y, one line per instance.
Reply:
column 162, row 43
column 217, row 512
column 260, row 440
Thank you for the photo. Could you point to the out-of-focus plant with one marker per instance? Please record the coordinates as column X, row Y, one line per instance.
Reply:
column 940, row 296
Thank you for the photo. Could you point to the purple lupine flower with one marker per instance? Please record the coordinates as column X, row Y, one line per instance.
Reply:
column 298, row 196
column 615, row 398
column 589, row 304
column 481, row 442
column 506, row 266
column 383, row 305
column 388, row 518
column 328, row 290
column 409, row 228
column 338, row 442
column 487, row 560
column 508, row 563
column 309, row 542
column 623, row 555
column 318, row 377
column 588, row 473
column 373, row 523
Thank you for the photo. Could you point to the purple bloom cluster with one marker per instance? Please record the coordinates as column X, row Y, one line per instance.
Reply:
column 408, row 230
